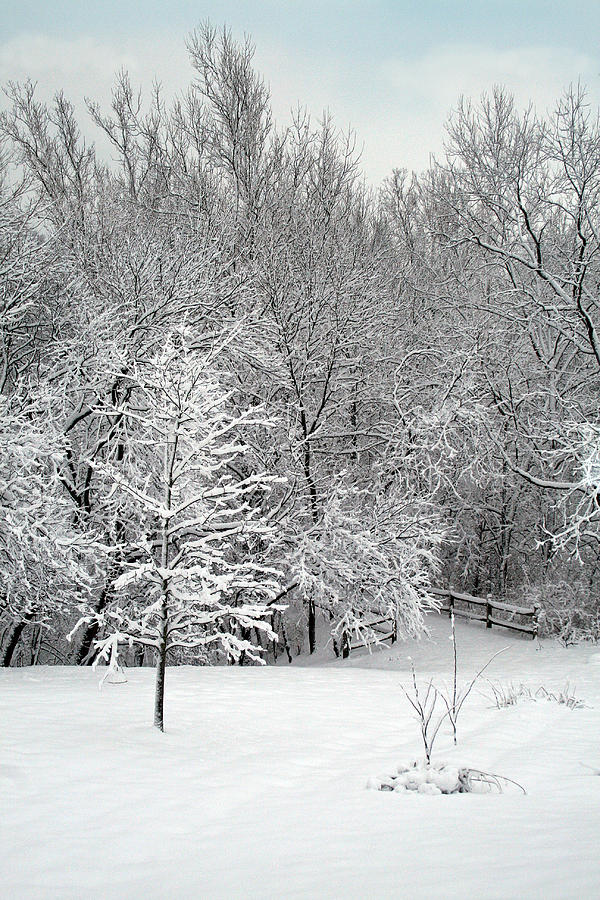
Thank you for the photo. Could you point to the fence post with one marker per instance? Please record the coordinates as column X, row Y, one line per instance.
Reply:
column 450, row 604
column 394, row 630
column 488, row 611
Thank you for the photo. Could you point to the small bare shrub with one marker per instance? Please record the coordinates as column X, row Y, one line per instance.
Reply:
column 566, row 697
column 509, row 695
column 433, row 705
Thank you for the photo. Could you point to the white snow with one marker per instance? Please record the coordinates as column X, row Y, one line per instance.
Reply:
column 257, row 787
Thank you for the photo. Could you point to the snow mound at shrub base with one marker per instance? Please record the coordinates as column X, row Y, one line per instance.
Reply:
column 439, row 778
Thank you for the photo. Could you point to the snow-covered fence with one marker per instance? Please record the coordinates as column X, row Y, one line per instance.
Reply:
column 375, row 633
column 490, row 611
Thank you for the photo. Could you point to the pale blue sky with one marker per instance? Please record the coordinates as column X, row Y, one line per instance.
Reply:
column 392, row 70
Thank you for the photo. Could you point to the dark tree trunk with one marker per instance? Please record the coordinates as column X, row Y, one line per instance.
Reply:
column 245, row 636
column 36, row 645
column 312, row 626
column 159, row 696
column 279, row 622
column 286, row 643
column 85, row 657
column 312, row 493
column 161, row 667
column 336, row 648
column 13, row 641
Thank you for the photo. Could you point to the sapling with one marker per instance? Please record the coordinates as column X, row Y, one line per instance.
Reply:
column 425, row 777
column 425, row 705
column 459, row 696
column 197, row 575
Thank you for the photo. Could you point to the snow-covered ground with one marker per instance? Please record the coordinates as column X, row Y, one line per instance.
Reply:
column 257, row 788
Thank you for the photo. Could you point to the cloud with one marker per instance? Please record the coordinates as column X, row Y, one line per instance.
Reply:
column 87, row 66
column 531, row 73
column 428, row 88
column 396, row 106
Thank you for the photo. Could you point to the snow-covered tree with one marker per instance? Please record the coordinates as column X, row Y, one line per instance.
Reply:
column 372, row 554
column 197, row 573
column 524, row 198
column 45, row 563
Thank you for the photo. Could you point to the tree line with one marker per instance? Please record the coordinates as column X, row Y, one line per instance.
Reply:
column 247, row 399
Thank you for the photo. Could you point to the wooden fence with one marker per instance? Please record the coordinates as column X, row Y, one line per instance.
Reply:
column 490, row 611
column 384, row 628
column 482, row 609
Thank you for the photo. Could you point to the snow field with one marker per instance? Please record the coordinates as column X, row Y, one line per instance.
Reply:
column 257, row 787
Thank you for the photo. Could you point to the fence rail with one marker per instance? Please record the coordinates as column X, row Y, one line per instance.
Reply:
column 480, row 609
column 384, row 628
column 485, row 607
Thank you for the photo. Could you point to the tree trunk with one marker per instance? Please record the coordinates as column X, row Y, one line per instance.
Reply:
column 85, row 657
column 37, row 646
column 286, row 643
column 13, row 639
column 336, row 649
column 312, row 493
column 163, row 627
column 312, row 623
column 161, row 666
column 245, row 635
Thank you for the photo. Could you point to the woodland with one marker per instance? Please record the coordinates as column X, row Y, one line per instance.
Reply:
column 248, row 401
